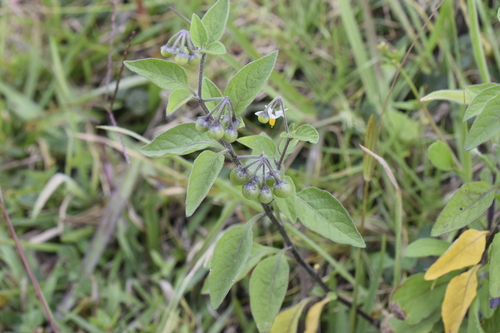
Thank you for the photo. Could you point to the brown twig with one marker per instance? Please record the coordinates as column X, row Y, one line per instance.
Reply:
column 36, row 286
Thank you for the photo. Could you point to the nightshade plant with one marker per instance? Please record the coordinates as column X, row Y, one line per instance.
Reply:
column 261, row 175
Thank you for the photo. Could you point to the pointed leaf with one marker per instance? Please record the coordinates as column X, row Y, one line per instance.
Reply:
column 210, row 90
column 459, row 295
column 215, row 48
column 179, row 140
column 486, row 125
column 467, row 250
column 259, row 143
column 215, row 20
column 206, row 168
column 479, row 102
column 470, row 201
column 287, row 205
column 178, row 98
column 165, row 74
column 288, row 320
column 495, row 268
column 441, row 156
column 425, row 326
column 230, row 255
column 268, row 286
column 314, row 315
column 198, row 32
column 459, row 96
column 291, row 146
column 324, row 214
column 248, row 81
column 258, row 252
column 425, row 247
column 303, row 133
column 474, row 89
column 417, row 298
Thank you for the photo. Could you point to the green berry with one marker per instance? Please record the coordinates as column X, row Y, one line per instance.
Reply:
column 263, row 119
column 282, row 189
column 238, row 176
column 265, row 195
column 230, row 135
column 270, row 180
column 216, row 131
column 165, row 52
column 250, row 191
column 202, row 124
column 194, row 61
column 181, row 60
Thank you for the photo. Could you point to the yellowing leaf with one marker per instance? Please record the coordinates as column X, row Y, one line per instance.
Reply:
column 459, row 295
column 465, row 251
column 312, row 318
column 286, row 321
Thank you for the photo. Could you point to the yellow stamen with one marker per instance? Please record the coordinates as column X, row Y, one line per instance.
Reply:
column 272, row 122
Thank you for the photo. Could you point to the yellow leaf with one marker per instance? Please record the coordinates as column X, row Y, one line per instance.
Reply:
column 286, row 321
column 312, row 318
column 459, row 295
column 465, row 251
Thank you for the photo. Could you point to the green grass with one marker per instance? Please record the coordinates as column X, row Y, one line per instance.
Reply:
column 110, row 245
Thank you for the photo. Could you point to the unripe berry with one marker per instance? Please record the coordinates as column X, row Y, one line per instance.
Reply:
column 265, row 195
column 181, row 60
column 250, row 191
column 282, row 189
column 202, row 124
column 263, row 119
column 165, row 52
column 216, row 131
column 230, row 135
column 238, row 176
column 194, row 61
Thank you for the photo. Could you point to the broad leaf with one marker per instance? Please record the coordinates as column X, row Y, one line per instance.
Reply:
column 459, row 96
column 165, row 74
column 479, row 102
column 215, row 48
column 260, row 144
column 210, row 90
column 441, row 156
column 425, row 326
column 303, row 133
column 287, row 205
column 425, row 247
column 314, row 314
column 205, row 170
column 470, row 201
column 248, row 81
column 290, row 148
column 178, row 98
column 495, row 270
column 258, row 252
column 324, row 214
column 486, row 125
column 474, row 89
column 230, row 255
column 474, row 323
column 416, row 298
column 215, row 20
column 467, row 250
column 198, row 32
column 459, row 295
column 268, row 286
column 288, row 320
column 179, row 140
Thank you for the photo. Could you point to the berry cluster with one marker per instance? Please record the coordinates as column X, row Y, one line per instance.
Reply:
column 222, row 126
column 181, row 46
column 262, row 188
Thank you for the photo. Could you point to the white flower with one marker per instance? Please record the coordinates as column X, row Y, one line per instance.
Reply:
column 270, row 115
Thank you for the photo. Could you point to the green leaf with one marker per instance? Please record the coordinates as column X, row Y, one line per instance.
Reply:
column 165, row 74
column 288, row 320
column 206, row 168
column 324, row 214
column 470, row 201
column 230, row 255
column 417, row 298
column 179, row 140
column 268, row 286
column 425, row 326
column 495, row 268
column 259, row 143
column 407, row 129
column 248, row 81
column 198, row 32
column 425, row 247
column 215, row 48
column 441, row 156
column 258, row 252
column 178, row 98
column 291, row 146
column 486, row 125
column 474, row 89
column 459, row 96
column 215, row 20
column 479, row 102
column 210, row 90
column 287, row 205
column 303, row 133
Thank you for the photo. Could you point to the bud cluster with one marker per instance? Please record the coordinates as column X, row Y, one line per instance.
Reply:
column 181, row 46
column 224, row 125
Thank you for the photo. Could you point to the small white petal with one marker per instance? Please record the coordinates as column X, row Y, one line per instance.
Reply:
column 261, row 113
